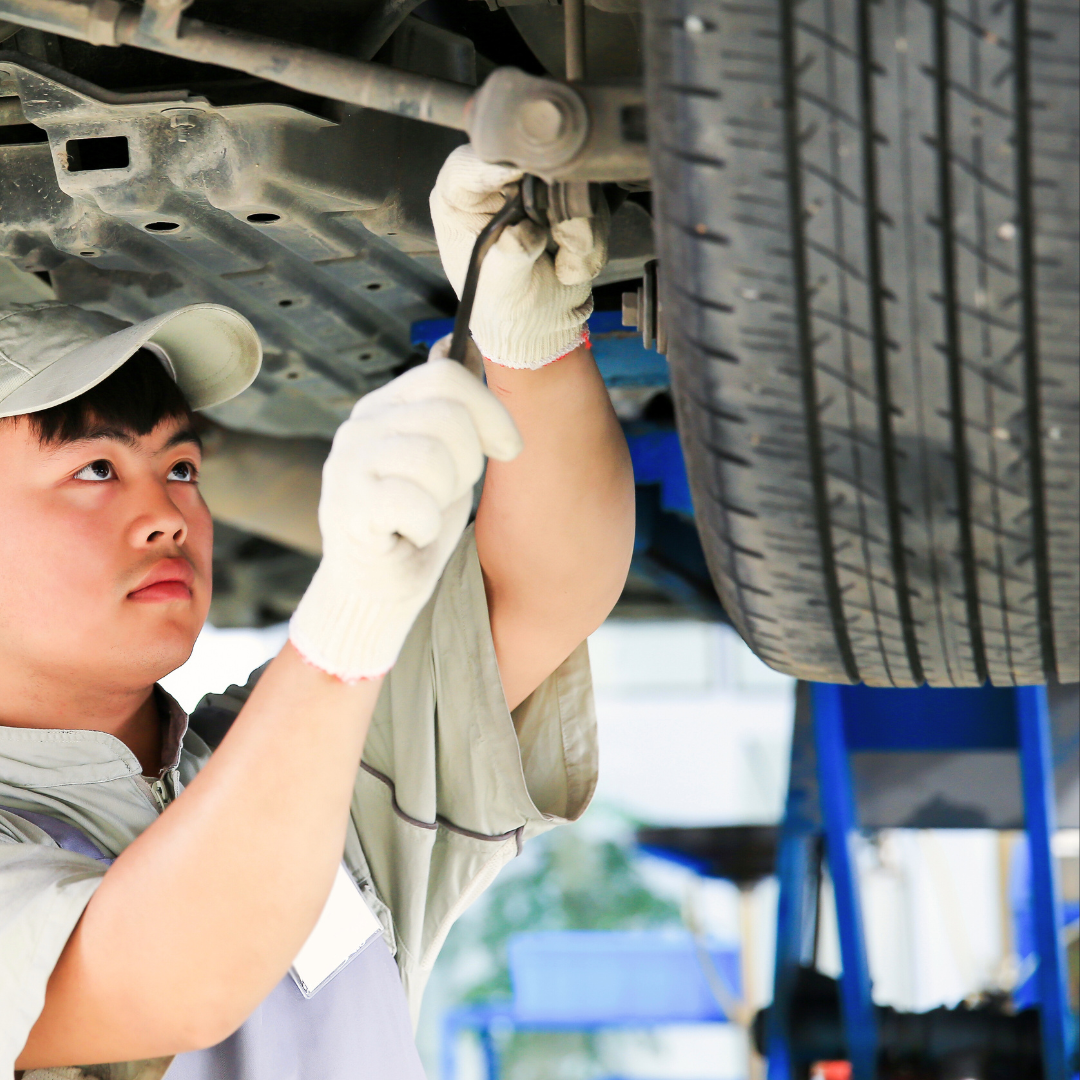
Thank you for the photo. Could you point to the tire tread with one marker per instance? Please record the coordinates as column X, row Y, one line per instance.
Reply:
column 871, row 206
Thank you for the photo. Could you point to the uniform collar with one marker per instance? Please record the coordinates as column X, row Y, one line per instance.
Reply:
column 176, row 724
column 58, row 757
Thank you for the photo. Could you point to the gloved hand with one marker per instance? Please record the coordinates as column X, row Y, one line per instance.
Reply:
column 396, row 494
column 530, row 306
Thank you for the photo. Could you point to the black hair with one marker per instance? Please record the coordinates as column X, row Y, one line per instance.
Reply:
column 135, row 398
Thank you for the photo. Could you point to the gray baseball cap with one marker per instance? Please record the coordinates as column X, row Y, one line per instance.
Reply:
column 51, row 352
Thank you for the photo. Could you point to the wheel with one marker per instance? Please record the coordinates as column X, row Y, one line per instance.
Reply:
column 867, row 226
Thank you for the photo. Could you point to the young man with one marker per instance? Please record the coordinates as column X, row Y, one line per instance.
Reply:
column 431, row 710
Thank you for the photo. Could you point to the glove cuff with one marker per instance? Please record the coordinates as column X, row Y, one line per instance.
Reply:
column 579, row 340
column 535, row 334
column 347, row 635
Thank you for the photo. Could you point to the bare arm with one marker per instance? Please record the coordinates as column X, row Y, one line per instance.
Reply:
column 555, row 528
column 228, row 882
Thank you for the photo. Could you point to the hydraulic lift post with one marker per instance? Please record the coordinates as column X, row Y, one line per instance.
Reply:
column 821, row 820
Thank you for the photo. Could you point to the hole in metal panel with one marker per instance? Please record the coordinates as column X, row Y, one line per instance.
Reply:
column 96, row 155
column 162, row 226
column 263, row 219
column 88, row 254
column 285, row 303
column 21, row 134
column 373, row 286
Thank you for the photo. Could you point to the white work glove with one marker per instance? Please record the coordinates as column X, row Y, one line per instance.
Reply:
column 530, row 306
column 396, row 494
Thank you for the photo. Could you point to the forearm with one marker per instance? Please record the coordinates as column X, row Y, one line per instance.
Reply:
column 219, row 894
column 555, row 528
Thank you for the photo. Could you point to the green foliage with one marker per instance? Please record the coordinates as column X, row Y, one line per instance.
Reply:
column 573, row 883
column 567, row 881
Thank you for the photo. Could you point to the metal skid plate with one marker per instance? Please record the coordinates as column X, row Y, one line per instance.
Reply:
column 136, row 207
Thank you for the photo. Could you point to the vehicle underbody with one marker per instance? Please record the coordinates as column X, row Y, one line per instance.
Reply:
column 865, row 214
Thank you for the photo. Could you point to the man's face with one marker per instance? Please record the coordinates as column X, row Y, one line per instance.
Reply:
column 105, row 555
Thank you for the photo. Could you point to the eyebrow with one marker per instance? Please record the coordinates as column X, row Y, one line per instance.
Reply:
column 178, row 438
column 184, row 435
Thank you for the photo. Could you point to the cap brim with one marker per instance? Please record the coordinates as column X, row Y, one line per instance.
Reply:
column 214, row 351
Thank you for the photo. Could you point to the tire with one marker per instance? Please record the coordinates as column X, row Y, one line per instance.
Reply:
column 867, row 224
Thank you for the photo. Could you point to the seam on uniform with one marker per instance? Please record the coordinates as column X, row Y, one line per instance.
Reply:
column 393, row 799
column 365, row 884
column 76, row 783
column 439, row 819
column 451, row 827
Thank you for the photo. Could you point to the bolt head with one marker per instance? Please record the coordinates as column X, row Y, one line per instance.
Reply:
column 542, row 121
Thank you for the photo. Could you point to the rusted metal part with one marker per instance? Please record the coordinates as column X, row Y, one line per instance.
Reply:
column 372, row 86
column 11, row 112
column 644, row 310
column 560, row 132
column 135, row 207
column 553, row 129
column 356, row 82
column 93, row 22
column 536, row 123
column 161, row 18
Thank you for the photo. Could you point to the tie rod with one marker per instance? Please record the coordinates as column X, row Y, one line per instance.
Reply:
column 554, row 129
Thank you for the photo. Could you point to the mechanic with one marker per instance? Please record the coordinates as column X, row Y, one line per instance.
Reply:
column 186, row 914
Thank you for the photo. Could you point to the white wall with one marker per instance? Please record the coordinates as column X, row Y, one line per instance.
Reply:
column 222, row 657
column 694, row 729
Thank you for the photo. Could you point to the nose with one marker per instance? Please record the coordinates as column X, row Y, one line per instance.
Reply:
column 159, row 520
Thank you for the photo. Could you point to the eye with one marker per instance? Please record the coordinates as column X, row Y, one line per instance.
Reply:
column 183, row 471
column 97, row 470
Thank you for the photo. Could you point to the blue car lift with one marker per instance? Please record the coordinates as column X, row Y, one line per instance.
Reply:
column 592, row 980
column 821, row 809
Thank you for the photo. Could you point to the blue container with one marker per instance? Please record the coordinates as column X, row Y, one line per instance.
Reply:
column 592, row 977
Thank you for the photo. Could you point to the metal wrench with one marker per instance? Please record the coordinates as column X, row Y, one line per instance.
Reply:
column 513, row 211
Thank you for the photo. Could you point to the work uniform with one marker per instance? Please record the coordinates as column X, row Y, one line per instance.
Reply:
column 450, row 786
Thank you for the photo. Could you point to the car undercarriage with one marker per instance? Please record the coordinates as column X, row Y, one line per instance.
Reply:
column 864, row 217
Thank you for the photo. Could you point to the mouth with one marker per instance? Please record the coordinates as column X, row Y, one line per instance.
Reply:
column 170, row 579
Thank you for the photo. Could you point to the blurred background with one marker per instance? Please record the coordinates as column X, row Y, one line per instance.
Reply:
column 694, row 732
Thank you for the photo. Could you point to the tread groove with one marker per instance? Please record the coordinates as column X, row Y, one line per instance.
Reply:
column 792, row 140
column 1029, row 332
column 880, row 347
column 952, row 355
